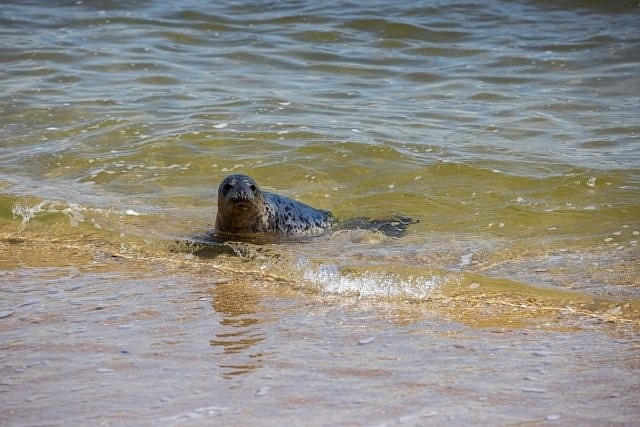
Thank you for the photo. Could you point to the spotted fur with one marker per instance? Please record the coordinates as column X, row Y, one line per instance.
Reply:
column 244, row 208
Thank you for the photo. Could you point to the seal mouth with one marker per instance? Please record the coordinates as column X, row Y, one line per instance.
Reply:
column 240, row 198
column 241, row 203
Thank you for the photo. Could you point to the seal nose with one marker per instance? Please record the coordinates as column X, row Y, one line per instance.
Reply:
column 241, row 193
column 239, row 196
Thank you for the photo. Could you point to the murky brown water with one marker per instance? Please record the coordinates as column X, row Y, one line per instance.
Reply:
column 508, row 130
column 123, row 337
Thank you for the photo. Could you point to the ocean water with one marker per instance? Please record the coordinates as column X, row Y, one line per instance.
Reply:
column 509, row 130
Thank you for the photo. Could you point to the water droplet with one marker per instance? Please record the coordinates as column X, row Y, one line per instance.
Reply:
column 367, row 340
column 262, row 391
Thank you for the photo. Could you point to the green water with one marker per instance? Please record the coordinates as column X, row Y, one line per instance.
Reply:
column 508, row 130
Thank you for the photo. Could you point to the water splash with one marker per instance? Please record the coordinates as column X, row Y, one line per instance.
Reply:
column 74, row 214
column 27, row 213
column 330, row 278
column 381, row 284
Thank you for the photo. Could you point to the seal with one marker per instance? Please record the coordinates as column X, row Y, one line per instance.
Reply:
column 245, row 209
column 248, row 214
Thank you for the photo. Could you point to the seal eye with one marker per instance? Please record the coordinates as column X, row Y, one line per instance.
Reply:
column 226, row 188
column 253, row 188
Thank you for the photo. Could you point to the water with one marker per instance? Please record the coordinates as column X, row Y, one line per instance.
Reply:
column 508, row 129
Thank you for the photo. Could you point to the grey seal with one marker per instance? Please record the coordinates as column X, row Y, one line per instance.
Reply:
column 243, row 208
column 248, row 214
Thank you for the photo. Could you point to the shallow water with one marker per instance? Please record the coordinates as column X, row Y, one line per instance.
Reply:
column 509, row 130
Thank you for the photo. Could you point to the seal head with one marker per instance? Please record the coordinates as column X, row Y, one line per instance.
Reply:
column 240, row 206
column 244, row 209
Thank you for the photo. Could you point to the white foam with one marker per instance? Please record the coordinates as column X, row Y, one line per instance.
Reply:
column 465, row 259
column 370, row 284
column 27, row 213
column 332, row 279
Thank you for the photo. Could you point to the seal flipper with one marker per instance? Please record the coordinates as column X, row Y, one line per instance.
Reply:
column 394, row 226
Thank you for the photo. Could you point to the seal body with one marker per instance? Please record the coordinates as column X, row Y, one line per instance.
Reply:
column 243, row 209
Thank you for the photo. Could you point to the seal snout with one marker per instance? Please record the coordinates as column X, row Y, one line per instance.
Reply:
column 239, row 196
